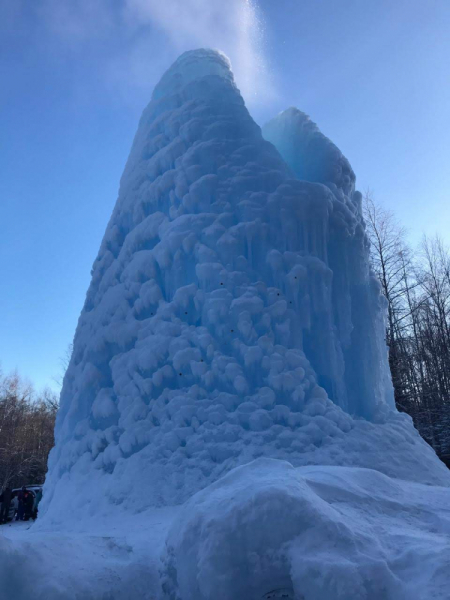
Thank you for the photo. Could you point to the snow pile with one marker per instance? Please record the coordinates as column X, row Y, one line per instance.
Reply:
column 320, row 532
column 264, row 530
column 232, row 324
column 99, row 564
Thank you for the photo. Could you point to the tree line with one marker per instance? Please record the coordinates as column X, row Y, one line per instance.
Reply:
column 416, row 285
column 27, row 420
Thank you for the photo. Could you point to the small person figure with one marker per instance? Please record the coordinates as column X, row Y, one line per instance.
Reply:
column 21, row 506
column 28, row 501
column 37, row 500
column 6, row 503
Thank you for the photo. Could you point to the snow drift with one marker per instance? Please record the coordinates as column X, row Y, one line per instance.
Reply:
column 314, row 532
column 232, row 335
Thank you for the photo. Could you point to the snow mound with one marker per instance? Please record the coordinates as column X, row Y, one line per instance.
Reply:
column 264, row 531
column 314, row 532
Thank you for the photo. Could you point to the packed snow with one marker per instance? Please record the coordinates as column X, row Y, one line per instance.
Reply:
column 315, row 532
column 227, row 427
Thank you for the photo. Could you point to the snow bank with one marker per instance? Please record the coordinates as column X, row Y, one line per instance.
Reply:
column 264, row 530
column 102, row 563
column 318, row 532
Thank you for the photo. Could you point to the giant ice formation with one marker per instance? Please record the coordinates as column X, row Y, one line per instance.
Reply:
column 231, row 314
column 230, row 358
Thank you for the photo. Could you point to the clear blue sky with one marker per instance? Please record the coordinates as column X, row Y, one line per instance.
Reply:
column 76, row 74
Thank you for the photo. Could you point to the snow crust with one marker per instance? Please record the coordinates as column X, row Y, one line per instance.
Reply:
column 228, row 398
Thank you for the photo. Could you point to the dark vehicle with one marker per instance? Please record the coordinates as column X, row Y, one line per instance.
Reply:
column 32, row 489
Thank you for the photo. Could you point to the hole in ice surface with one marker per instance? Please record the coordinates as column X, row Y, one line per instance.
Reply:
column 281, row 594
column 221, row 283
column 180, row 374
column 185, row 313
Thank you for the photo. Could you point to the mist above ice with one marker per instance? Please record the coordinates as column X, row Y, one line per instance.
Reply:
column 146, row 35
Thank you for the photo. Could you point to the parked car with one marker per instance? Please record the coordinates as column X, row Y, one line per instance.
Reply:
column 33, row 489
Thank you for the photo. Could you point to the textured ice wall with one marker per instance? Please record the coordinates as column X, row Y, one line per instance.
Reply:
column 354, row 369
column 226, row 297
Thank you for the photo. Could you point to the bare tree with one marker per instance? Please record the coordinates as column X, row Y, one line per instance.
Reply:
column 417, row 290
column 64, row 361
column 26, row 431
column 391, row 261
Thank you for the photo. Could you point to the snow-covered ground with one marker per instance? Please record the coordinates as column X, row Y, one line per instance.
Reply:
column 98, row 560
column 227, row 425
column 334, row 533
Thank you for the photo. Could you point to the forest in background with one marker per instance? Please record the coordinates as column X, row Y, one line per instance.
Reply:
column 416, row 285
column 27, row 421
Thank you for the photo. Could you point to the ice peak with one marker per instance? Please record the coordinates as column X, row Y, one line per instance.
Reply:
column 193, row 65
column 309, row 153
